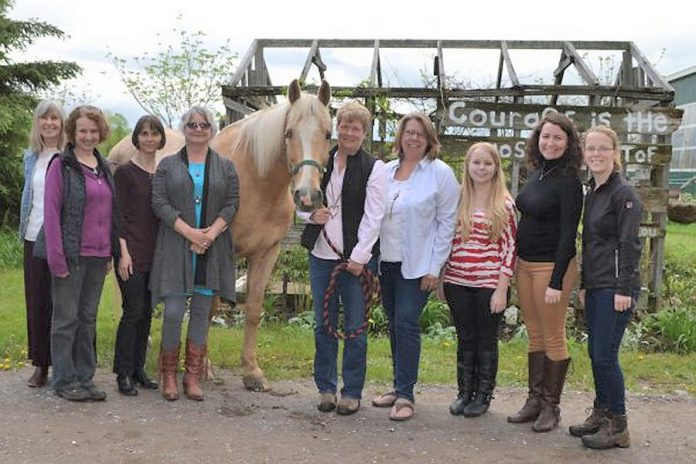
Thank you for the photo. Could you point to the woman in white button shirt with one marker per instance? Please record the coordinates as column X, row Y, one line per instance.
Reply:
column 415, row 237
column 46, row 139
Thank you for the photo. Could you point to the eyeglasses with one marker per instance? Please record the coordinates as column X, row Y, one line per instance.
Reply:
column 391, row 209
column 198, row 125
column 600, row 150
column 413, row 133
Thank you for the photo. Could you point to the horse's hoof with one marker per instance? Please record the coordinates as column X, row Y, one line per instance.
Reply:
column 256, row 384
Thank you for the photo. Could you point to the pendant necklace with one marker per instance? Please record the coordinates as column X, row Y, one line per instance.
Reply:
column 543, row 174
column 335, row 207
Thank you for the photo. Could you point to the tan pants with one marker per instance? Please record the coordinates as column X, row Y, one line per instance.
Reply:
column 546, row 323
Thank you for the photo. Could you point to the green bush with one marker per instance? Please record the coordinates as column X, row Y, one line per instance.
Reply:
column 11, row 251
column 674, row 330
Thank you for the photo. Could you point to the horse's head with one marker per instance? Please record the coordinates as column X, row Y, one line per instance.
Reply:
column 307, row 138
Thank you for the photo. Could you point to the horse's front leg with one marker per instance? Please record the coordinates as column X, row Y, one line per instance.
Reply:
column 260, row 268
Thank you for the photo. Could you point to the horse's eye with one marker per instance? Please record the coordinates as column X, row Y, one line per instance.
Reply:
column 328, row 135
column 288, row 134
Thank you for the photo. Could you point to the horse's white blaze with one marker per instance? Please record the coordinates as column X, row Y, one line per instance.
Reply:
column 307, row 171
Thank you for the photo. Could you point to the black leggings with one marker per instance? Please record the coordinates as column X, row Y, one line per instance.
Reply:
column 477, row 328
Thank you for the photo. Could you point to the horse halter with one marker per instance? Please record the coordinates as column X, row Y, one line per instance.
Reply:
column 295, row 168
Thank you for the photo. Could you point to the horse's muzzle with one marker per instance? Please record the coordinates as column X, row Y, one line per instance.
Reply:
column 307, row 200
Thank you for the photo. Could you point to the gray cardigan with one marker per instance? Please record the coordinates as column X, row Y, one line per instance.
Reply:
column 172, row 197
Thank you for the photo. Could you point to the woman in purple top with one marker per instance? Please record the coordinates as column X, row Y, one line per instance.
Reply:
column 81, row 236
column 137, row 239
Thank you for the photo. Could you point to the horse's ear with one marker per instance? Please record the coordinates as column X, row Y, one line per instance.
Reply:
column 324, row 92
column 294, row 91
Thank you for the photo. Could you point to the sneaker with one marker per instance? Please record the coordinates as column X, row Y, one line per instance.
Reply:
column 94, row 393
column 327, row 402
column 347, row 406
column 74, row 394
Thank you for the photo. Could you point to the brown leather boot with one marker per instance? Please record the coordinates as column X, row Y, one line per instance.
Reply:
column 532, row 407
column 167, row 364
column 554, row 379
column 194, row 370
column 613, row 432
column 591, row 424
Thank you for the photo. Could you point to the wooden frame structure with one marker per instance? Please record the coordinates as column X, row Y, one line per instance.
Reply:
column 637, row 105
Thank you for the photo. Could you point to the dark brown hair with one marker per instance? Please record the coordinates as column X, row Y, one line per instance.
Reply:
column 155, row 125
column 569, row 163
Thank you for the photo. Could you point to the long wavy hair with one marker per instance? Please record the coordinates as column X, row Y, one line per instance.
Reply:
column 497, row 211
column 569, row 162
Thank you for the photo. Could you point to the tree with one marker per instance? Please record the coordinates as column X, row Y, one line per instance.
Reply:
column 172, row 81
column 118, row 128
column 19, row 83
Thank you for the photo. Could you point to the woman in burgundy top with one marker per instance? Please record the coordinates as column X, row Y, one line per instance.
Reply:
column 137, row 240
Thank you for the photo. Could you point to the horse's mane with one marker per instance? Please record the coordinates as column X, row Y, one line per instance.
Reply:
column 262, row 134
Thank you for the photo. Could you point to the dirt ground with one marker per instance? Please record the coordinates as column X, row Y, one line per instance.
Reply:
column 236, row 426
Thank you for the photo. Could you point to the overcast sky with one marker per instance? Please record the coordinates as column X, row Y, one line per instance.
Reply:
column 665, row 31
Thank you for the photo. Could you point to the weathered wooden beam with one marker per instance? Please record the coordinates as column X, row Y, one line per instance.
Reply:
column 648, row 68
column 582, row 67
column 513, row 147
column 563, row 64
column 489, row 115
column 308, row 62
column 505, row 53
column 432, row 43
column 655, row 93
column 440, row 65
column 245, row 64
column 237, row 106
column 375, row 65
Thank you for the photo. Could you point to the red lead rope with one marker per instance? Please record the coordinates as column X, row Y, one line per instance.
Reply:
column 370, row 288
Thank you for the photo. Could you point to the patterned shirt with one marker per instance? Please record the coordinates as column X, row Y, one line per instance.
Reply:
column 479, row 262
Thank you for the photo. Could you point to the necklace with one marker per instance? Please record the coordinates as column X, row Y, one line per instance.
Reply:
column 335, row 205
column 543, row 174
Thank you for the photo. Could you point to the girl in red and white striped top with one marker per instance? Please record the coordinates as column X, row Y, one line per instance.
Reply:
column 477, row 275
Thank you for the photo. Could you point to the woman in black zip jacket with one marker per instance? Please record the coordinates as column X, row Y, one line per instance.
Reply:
column 610, row 284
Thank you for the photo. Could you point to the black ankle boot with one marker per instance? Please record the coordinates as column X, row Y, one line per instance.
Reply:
column 141, row 378
column 126, row 385
column 466, row 363
column 486, row 371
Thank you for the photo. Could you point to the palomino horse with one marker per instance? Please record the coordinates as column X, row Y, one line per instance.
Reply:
column 279, row 153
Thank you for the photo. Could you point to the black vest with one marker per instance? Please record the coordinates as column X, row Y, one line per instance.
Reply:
column 353, row 193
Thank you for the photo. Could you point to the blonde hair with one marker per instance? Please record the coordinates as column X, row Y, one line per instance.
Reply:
column 497, row 211
column 354, row 111
column 36, row 142
column 609, row 132
column 433, row 144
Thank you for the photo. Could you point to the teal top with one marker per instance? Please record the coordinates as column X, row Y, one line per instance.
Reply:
column 197, row 172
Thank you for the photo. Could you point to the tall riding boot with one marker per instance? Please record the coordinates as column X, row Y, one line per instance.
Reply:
column 194, row 370
column 486, row 371
column 613, row 432
column 168, row 363
column 554, row 379
column 466, row 365
column 532, row 407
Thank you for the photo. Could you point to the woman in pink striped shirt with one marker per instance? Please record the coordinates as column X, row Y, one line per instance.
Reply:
column 477, row 275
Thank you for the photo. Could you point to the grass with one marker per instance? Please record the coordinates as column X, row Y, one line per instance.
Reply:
column 286, row 352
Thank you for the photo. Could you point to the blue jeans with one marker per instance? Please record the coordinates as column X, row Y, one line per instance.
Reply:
column 605, row 327
column 349, row 288
column 403, row 302
column 75, row 303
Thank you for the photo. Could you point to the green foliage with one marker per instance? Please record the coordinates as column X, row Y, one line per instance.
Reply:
column 168, row 83
column 435, row 312
column 11, row 252
column 118, row 128
column 674, row 330
column 19, row 83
